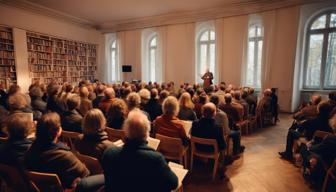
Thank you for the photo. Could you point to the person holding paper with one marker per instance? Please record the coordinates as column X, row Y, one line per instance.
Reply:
column 135, row 166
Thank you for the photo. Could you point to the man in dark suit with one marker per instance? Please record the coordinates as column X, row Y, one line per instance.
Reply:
column 72, row 119
column 207, row 128
column 135, row 166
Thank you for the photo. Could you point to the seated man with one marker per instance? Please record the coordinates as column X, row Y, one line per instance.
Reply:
column 48, row 155
column 307, row 129
column 221, row 119
column 135, row 166
column 316, row 156
column 310, row 111
column 19, row 127
column 72, row 119
column 207, row 128
column 105, row 103
column 231, row 111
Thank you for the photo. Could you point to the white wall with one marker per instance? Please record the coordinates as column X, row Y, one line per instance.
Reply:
column 231, row 33
column 22, row 20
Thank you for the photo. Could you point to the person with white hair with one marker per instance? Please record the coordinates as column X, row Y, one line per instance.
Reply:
column 136, row 166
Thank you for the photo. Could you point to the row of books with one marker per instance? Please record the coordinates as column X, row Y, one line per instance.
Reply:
column 60, row 68
column 37, row 41
column 38, row 55
column 6, row 54
column 40, row 68
column 49, row 74
column 41, row 48
column 60, row 56
column 4, row 61
column 77, row 68
column 6, row 41
column 77, row 73
column 6, row 35
column 7, row 70
column 34, row 61
column 6, row 47
column 77, row 63
column 59, row 62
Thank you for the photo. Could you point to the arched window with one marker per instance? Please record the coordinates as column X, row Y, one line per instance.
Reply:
column 320, row 52
column 206, row 52
column 152, row 58
column 254, row 55
column 114, row 61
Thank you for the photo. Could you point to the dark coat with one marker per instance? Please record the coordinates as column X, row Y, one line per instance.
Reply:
column 72, row 121
column 39, row 105
column 12, row 151
column 326, row 149
column 137, row 167
column 153, row 108
column 97, row 100
column 187, row 114
column 93, row 145
column 208, row 129
column 55, row 158
column 309, row 127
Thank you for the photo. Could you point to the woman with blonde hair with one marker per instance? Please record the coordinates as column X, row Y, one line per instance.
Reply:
column 186, row 108
column 94, row 139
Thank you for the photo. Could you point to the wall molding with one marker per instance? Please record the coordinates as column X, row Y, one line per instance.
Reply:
column 228, row 10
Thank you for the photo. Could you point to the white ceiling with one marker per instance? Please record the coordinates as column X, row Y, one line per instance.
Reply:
column 100, row 11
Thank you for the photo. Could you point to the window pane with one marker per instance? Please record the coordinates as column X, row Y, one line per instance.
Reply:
column 252, row 31
column 320, row 22
column 113, row 65
column 153, row 42
column 330, row 78
column 212, row 58
column 333, row 20
column 259, row 32
column 203, row 58
column 113, row 44
column 152, row 64
column 314, row 61
column 205, row 36
column 258, row 66
column 250, row 64
column 212, row 35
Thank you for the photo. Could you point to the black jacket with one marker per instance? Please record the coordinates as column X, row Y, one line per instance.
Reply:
column 326, row 149
column 208, row 129
column 153, row 108
column 137, row 167
column 72, row 121
column 12, row 151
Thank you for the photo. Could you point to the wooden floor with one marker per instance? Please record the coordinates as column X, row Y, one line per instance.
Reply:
column 258, row 169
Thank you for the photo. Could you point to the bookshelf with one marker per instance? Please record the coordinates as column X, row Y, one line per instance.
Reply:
column 59, row 60
column 7, row 57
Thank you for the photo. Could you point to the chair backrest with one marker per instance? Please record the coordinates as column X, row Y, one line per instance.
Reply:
column 3, row 139
column 170, row 147
column 13, row 178
column 187, row 126
column 321, row 134
column 45, row 181
column 202, row 141
column 115, row 134
column 91, row 163
column 69, row 138
column 331, row 174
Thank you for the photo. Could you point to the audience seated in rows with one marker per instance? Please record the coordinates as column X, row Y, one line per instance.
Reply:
column 186, row 108
column 153, row 106
column 135, row 166
column 117, row 114
column 72, row 119
column 105, row 103
column 310, row 111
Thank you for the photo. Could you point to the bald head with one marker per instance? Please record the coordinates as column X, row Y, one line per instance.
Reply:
column 109, row 93
column 209, row 110
column 136, row 126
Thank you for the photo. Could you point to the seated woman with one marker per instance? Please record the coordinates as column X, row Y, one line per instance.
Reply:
column 117, row 114
column 94, row 140
column 186, row 108
column 168, row 124
column 72, row 119
column 19, row 127
column 49, row 155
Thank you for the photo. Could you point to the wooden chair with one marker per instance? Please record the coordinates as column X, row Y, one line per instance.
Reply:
column 173, row 149
column 321, row 134
column 69, row 138
column 14, row 180
column 331, row 174
column 3, row 139
column 91, row 163
column 209, row 155
column 244, row 127
column 45, row 181
column 115, row 134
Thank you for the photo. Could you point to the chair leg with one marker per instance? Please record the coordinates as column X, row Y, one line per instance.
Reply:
column 191, row 161
column 214, row 172
column 325, row 183
column 185, row 160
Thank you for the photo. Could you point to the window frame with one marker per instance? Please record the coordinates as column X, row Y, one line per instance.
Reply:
column 208, row 44
column 150, row 48
column 325, row 32
column 116, row 73
column 255, row 39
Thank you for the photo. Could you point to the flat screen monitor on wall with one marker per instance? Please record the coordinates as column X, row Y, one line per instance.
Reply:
column 126, row 68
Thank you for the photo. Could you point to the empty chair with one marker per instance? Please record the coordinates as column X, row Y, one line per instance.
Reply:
column 209, row 155
column 115, row 134
column 173, row 149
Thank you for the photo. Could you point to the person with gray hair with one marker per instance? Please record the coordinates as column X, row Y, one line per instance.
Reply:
column 168, row 124
column 105, row 103
column 133, row 166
